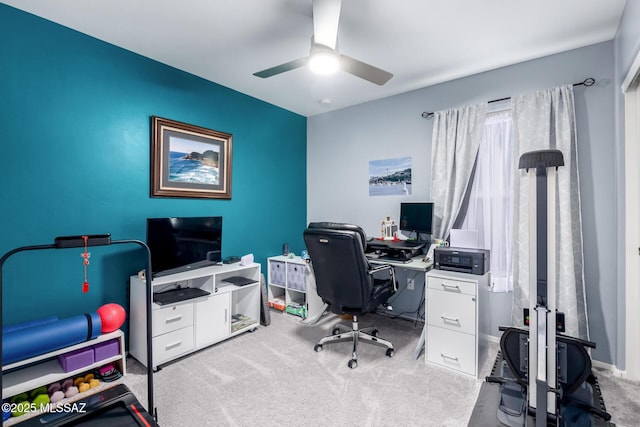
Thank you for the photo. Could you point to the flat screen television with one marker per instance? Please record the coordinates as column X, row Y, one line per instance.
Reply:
column 182, row 241
column 416, row 217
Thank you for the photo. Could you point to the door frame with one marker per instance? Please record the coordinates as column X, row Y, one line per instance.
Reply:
column 631, row 92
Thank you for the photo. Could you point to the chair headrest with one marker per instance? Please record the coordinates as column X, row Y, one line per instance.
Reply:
column 341, row 227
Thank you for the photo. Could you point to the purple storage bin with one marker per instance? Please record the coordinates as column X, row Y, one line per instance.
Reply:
column 76, row 359
column 106, row 349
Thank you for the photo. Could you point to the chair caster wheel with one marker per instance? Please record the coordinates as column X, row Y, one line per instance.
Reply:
column 317, row 348
column 335, row 331
column 374, row 333
column 390, row 352
column 353, row 364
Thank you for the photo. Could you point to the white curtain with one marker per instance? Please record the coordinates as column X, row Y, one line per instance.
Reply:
column 490, row 207
column 543, row 120
column 457, row 133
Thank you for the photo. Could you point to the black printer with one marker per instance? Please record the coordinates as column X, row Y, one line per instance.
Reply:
column 462, row 260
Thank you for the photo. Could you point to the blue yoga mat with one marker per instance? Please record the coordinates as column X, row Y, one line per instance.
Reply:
column 43, row 338
column 30, row 323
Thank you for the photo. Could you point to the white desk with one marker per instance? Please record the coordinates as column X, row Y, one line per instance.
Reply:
column 411, row 280
column 424, row 270
column 416, row 269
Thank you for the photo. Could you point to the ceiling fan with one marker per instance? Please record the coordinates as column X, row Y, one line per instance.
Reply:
column 324, row 56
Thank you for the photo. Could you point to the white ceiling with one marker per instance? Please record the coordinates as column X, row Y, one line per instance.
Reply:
column 422, row 42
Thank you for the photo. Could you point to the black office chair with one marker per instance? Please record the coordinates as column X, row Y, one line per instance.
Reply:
column 347, row 282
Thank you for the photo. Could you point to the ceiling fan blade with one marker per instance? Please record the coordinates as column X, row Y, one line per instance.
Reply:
column 364, row 71
column 287, row 66
column 326, row 15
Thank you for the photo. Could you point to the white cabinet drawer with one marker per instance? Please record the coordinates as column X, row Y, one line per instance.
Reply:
column 172, row 345
column 454, row 350
column 277, row 273
column 451, row 285
column 451, row 311
column 297, row 277
column 172, row 318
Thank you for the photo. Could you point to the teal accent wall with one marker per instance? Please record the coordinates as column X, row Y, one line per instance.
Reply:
column 75, row 159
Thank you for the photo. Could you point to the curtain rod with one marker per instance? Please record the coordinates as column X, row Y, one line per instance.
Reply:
column 589, row 81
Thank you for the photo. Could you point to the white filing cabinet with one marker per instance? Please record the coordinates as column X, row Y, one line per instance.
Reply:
column 186, row 326
column 453, row 301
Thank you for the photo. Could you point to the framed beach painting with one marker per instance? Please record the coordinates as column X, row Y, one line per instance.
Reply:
column 189, row 161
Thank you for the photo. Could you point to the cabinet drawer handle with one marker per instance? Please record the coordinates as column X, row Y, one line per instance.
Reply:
column 175, row 344
column 450, row 319
column 173, row 319
column 448, row 287
column 444, row 356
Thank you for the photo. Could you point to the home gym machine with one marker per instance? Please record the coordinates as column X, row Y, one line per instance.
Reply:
column 541, row 376
column 115, row 406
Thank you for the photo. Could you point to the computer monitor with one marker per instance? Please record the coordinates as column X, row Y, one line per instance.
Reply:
column 416, row 217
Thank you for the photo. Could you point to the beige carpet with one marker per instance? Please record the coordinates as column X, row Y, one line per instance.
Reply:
column 621, row 398
column 274, row 377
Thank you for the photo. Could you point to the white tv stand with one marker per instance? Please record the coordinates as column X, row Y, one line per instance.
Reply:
column 184, row 327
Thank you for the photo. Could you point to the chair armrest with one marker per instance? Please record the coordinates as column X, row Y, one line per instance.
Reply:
column 392, row 272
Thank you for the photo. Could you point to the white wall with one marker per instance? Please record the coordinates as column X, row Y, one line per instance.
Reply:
column 340, row 145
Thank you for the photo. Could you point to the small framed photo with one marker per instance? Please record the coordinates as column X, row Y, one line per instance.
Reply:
column 189, row 161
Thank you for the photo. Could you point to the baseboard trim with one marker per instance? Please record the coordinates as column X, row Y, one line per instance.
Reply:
column 610, row 368
column 490, row 338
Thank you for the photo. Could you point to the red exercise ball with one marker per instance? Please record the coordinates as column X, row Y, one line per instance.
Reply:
column 112, row 316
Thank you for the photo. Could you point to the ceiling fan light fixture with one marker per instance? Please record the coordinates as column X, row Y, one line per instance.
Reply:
column 324, row 62
column 324, row 57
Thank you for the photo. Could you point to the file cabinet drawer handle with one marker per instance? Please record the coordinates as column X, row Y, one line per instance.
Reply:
column 448, row 287
column 450, row 319
column 174, row 345
column 173, row 319
column 445, row 356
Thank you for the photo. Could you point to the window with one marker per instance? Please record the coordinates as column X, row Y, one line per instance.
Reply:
column 490, row 208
